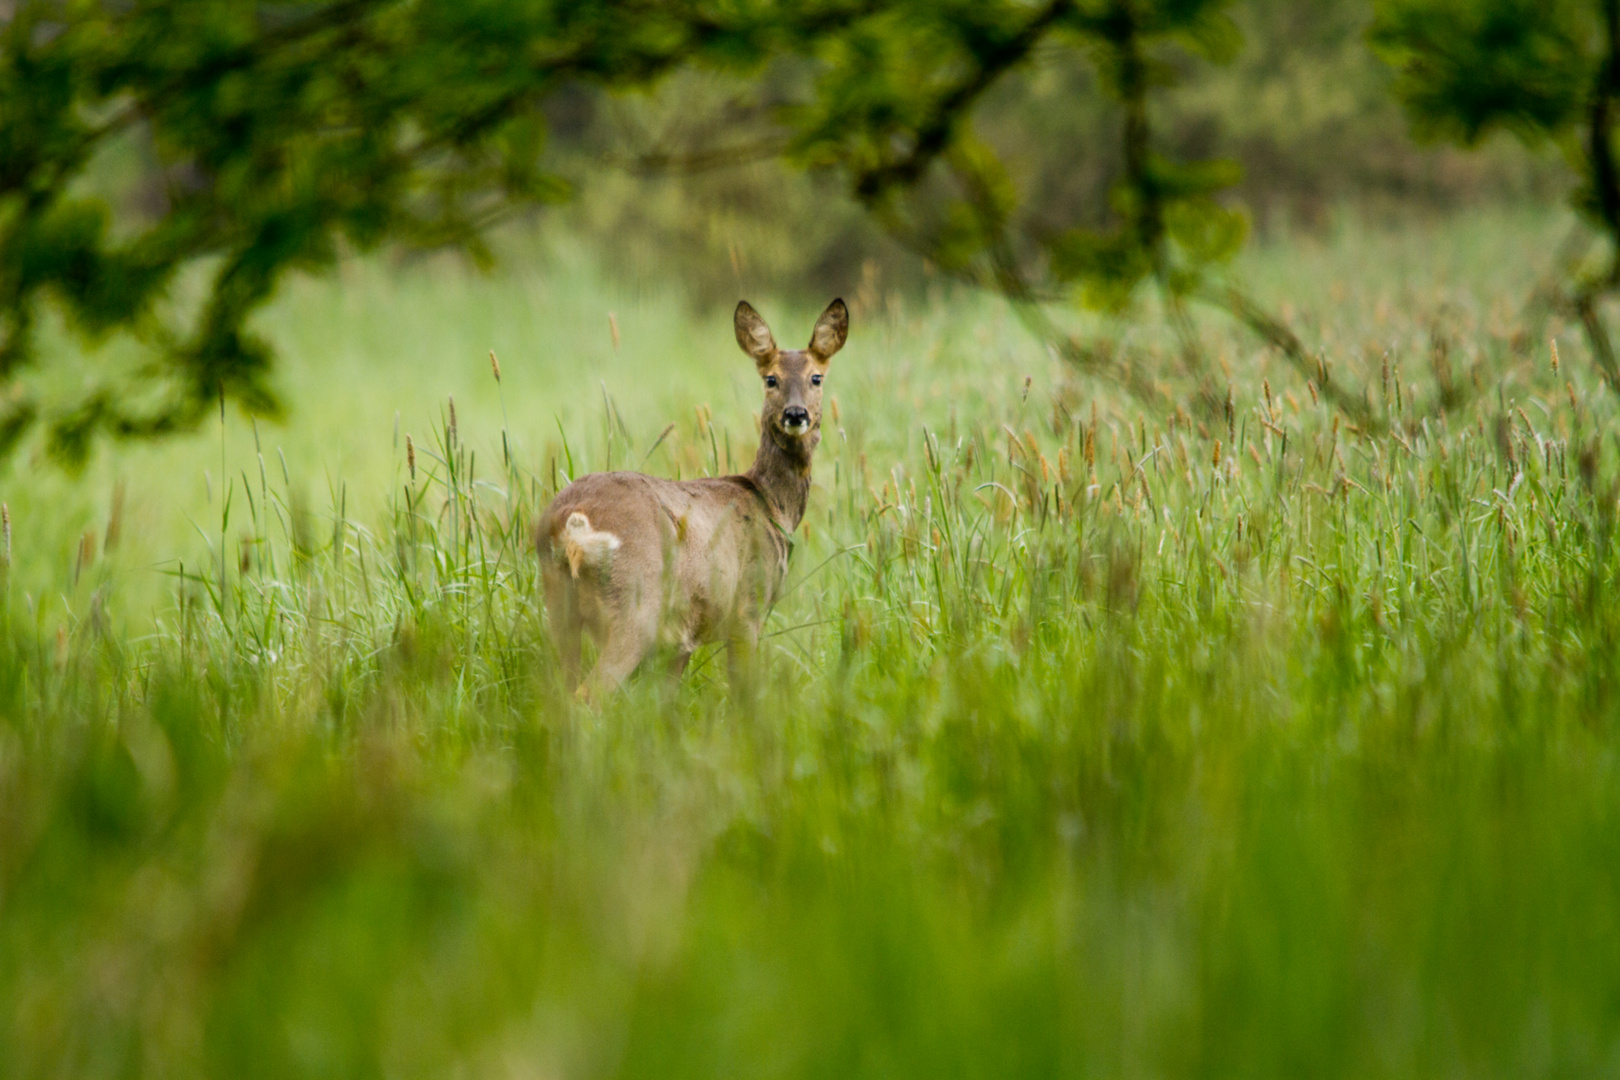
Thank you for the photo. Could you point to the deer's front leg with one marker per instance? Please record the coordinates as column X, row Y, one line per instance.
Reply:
column 742, row 656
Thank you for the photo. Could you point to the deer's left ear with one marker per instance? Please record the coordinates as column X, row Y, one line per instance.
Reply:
column 831, row 331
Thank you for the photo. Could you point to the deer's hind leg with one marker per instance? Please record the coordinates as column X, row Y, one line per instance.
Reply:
column 621, row 654
column 626, row 633
column 567, row 622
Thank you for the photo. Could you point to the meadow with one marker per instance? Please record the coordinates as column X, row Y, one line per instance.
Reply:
column 1101, row 736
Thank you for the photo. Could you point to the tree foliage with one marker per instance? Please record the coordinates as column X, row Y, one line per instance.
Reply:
column 898, row 106
column 1546, row 71
column 282, row 133
column 895, row 101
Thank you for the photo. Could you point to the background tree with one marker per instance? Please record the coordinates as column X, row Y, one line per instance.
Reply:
column 694, row 191
column 894, row 108
column 1546, row 72
column 900, row 101
column 1063, row 152
column 282, row 133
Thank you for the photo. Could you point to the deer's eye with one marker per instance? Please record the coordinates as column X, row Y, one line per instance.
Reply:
column 770, row 382
column 815, row 380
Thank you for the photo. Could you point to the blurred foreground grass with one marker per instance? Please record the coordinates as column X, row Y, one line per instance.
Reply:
column 1089, row 750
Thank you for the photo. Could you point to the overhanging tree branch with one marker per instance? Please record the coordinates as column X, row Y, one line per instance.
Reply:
column 1548, row 71
column 359, row 120
column 1168, row 228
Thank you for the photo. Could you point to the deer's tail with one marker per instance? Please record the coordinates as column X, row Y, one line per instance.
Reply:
column 587, row 549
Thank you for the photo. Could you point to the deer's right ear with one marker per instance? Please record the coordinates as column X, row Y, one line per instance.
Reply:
column 754, row 336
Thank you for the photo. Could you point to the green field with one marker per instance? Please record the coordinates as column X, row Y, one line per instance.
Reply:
column 1086, row 749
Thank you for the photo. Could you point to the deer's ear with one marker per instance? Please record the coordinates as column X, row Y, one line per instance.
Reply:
column 754, row 336
column 831, row 331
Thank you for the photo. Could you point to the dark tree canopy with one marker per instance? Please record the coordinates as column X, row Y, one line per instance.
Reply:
column 283, row 132
column 1545, row 71
column 1465, row 69
column 895, row 106
column 896, row 97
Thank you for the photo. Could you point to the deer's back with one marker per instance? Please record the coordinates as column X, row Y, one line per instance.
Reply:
column 707, row 549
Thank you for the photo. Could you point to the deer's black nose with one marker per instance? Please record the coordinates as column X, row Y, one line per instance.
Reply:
column 795, row 416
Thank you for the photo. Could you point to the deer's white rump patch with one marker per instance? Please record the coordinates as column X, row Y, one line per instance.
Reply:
column 587, row 548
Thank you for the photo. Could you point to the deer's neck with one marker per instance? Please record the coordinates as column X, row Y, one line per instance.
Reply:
column 782, row 475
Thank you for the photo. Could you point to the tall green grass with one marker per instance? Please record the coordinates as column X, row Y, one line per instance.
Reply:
column 1087, row 749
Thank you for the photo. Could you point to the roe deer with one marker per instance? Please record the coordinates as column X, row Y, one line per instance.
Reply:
column 643, row 563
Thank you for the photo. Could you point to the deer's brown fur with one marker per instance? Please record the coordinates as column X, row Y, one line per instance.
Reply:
column 642, row 563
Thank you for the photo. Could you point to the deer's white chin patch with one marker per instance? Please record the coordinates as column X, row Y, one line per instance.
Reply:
column 796, row 429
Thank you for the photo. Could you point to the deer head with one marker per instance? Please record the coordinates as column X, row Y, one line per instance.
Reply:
column 793, row 378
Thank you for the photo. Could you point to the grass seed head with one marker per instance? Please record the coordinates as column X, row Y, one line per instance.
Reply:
column 87, row 554
column 1587, row 463
column 495, row 366
column 115, row 518
column 410, row 456
column 1555, row 356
